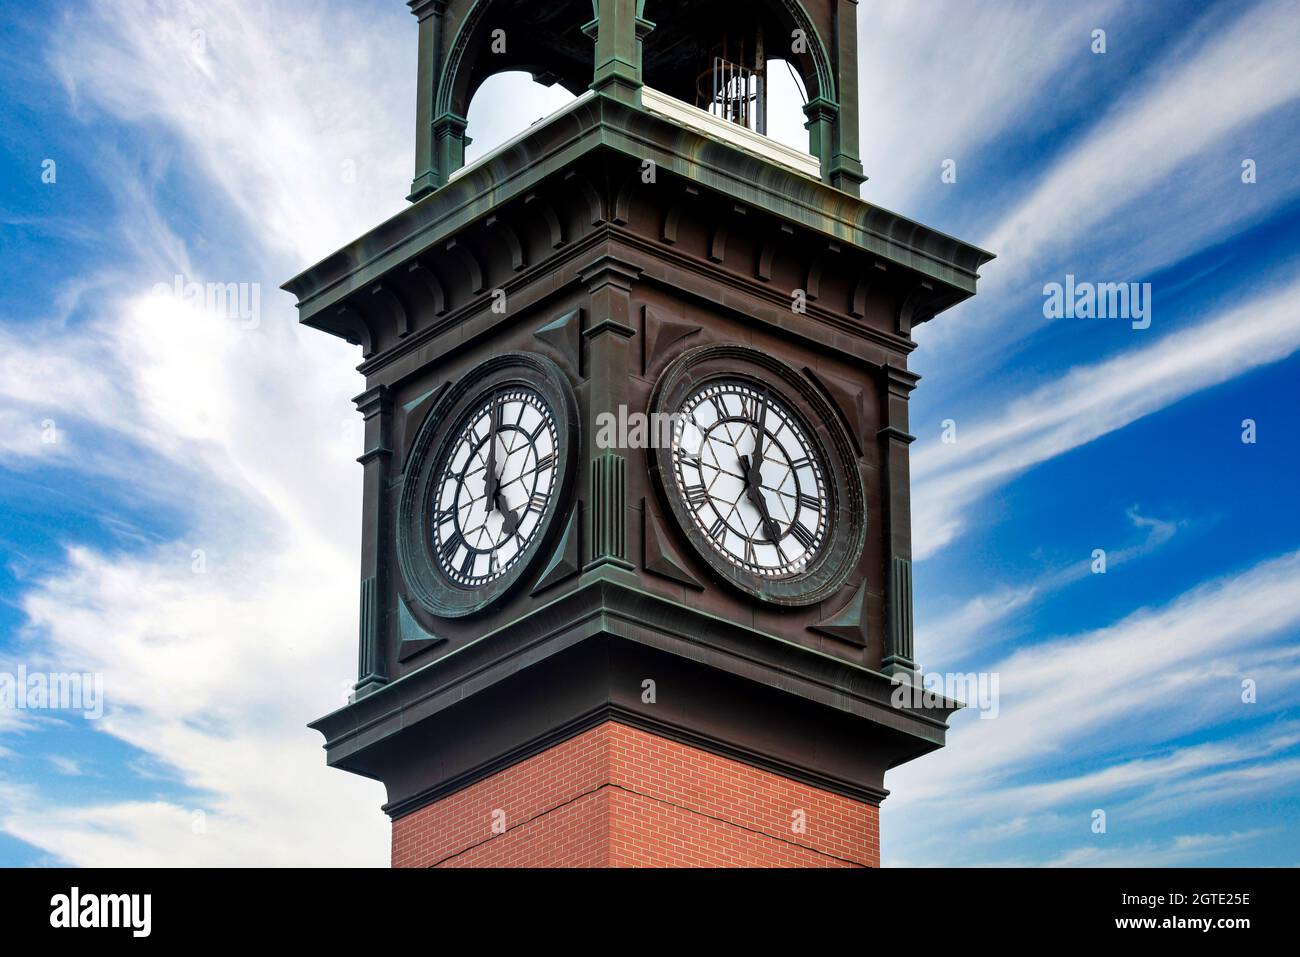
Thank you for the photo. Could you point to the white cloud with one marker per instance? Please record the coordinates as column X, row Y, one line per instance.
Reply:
column 268, row 101
column 1090, row 401
column 945, row 640
column 505, row 105
column 26, row 436
column 1055, row 693
column 1119, row 701
column 66, row 766
column 1184, row 850
column 1147, row 177
column 1217, row 80
column 979, row 622
column 215, row 675
column 249, row 433
column 941, row 80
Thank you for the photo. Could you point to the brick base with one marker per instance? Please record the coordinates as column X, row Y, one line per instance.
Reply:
column 616, row 796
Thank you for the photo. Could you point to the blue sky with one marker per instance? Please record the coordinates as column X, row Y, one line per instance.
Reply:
column 183, row 535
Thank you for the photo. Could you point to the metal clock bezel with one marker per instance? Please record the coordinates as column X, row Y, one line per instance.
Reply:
column 846, row 505
column 424, row 578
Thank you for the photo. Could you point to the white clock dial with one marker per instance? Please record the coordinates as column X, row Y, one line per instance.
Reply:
column 750, row 477
column 495, row 487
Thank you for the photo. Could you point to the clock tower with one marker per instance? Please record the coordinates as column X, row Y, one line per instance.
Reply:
column 636, row 558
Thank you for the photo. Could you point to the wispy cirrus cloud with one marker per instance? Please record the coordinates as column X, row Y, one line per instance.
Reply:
column 1090, row 401
column 216, row 649
column 986, row 68
column 1146, row 178
column 1057, row 692
column 979, row 622
column 1222, row 77
column 1119, row 701
column 1182, row 851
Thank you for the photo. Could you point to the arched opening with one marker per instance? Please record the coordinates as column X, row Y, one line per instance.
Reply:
column 786, row 98
column 505, row 105
column 544, row 40
column 755, row 64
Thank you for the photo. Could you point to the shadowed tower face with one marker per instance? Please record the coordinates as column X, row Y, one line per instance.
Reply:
column 636, row 561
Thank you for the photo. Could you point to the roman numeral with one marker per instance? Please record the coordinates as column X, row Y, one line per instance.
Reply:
column 449, row 547
column 467, row 566
column 802, row 535
column 717, row 530
column 696, row 496
column 810, row 501
column 545, row 463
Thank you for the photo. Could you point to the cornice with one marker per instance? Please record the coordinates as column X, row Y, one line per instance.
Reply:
column 603, row 608
column 603, row 123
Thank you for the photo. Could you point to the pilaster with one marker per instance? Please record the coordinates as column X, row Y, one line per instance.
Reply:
column 899, row 657
column 376, row 406
column 608, row 366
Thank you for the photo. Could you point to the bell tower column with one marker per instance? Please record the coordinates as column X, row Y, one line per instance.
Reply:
column 846, row 164
column 431, row 14
column 618, row 31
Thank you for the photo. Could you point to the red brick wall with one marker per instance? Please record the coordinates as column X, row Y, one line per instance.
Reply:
column 616, row 796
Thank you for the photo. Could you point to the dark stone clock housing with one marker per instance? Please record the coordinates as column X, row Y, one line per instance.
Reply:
column 620, row 234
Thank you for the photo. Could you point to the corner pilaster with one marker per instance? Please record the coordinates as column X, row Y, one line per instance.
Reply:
column 608, row 366
column 376, row 406
column 899, row 660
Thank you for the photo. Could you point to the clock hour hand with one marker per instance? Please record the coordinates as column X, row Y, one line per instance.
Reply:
column 509, row 517
column 755, row 496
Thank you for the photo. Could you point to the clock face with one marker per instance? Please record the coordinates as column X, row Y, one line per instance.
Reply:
column 495, row 486
column 760, row 474
column 486, row 477
column 752, row 480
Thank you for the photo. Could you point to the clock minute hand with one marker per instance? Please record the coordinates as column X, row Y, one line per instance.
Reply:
column 492, row 485
column 759, row 432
